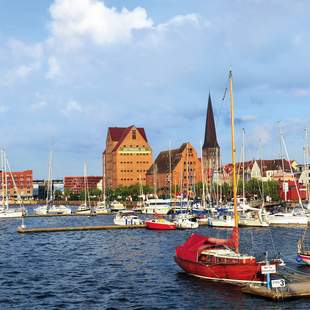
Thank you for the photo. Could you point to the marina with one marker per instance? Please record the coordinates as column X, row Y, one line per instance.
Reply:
column 119, row 268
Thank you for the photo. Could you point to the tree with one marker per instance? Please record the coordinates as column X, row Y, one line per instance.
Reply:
column 58, row 194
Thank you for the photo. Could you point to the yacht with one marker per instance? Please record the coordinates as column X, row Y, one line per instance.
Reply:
column 127, row 218
column 156, row 206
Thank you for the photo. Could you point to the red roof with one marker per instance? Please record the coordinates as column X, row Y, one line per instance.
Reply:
column 118, row 134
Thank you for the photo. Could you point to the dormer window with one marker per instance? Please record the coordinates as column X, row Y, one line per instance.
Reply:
column 133, row 134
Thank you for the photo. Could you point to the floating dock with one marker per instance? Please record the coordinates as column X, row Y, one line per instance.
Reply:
column 292, row 290
column 26, row 230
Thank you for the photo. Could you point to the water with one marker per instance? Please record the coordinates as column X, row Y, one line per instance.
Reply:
column 120, row 269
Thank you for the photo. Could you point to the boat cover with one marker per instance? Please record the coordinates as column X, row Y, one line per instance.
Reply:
column 195, row 244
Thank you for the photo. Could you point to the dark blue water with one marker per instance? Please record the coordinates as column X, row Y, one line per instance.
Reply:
column 120, row 269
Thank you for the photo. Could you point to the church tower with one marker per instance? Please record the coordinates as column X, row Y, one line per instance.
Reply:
column 210, row 148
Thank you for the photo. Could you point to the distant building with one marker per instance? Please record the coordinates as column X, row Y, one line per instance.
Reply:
column 76, row 184
column 271, row 169
column 210, row 148
column 127, row 156
column 185, row 170
column 18, row 183
column 40, row 188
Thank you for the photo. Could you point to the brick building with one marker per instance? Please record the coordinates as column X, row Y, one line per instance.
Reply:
column 76, row 183
column 23, row 183
column 185, row 170
column 127, row 156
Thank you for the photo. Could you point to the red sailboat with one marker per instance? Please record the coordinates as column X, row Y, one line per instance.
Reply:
column 219, row 259
column 160, row 224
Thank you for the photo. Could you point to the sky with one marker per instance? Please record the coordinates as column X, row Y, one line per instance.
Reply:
column 72, row 68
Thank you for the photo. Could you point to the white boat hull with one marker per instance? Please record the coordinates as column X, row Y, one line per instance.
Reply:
column 288, row 220
column 11, row 213
column 127, row 221
column 221, row 223
column 186, row 224
column 162, row 210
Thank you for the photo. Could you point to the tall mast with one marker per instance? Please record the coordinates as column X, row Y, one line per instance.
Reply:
column 170, row 178
column 233, row 153
column 243, row 159
column 203, row 180
column 5, row 181
column 306, row 163
column 104, row 184
column 187, row 178
column 2, row 177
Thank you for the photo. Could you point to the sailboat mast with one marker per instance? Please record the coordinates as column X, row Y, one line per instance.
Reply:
column 233, row 153
column 203, row 180
column 104, row 184
column 2, row 178
column 5, row 181
column 170, row 176
column 306, row 164
column 243, row 173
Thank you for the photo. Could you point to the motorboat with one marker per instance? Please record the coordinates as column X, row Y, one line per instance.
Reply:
column 84, row 208
column 127, row 218
column 156, row 206
column 116, row 206
column 186, row 221
column 12, row 212
column 52, row 209
column 290, row 218
column 254, row 217
column 102, row 208
column 160, row 224
column 223, row 219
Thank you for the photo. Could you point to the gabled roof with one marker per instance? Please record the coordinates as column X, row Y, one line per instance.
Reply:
column 210, row 132
column 162, row 160
column 118, row 134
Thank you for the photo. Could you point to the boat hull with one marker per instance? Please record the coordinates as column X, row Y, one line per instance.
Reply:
column 160, row 226
column 305, row 258
column 11, row 214
column 230, row 273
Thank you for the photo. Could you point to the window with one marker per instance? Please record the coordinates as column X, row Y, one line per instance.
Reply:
column 133, row 134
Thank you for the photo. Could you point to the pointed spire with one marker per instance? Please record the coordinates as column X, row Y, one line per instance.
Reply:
column 210, row 132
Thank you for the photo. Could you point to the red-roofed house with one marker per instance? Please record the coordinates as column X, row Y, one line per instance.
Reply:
column 127, row 156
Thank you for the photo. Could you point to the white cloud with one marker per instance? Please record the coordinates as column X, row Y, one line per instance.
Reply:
column 54, row 68
column 21, row 72
column 71, row 107
column 74, row 21
column 38, row 105
column 302, row 92
column 21, row 49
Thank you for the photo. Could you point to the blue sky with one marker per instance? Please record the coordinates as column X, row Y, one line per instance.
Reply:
column 71, row 68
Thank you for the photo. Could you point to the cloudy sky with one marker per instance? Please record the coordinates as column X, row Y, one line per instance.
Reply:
column 71, row 68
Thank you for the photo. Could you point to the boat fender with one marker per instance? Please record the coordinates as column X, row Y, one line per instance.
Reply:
column 298, row 259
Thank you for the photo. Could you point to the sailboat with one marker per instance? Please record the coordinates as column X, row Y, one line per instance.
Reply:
column 5, row 210
column 85, row 207
column 219, row 259
column 101, row 207
column 298, row 215
column 49, row 208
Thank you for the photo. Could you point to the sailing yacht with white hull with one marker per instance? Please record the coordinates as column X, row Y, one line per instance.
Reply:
column 5, row 210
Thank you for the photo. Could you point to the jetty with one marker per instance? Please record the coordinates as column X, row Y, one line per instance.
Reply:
column 26, row 230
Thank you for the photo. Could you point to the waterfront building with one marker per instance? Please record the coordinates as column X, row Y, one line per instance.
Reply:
column 18, row 183
column 127, row 156
column 210, row 148
column 266, row 170
column 76, row 184
column 185, row 168
column 40, row 188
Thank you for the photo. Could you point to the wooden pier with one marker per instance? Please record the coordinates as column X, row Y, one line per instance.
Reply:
column 26, row 230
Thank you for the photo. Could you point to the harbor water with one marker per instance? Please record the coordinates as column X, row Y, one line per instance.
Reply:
column 122, row 269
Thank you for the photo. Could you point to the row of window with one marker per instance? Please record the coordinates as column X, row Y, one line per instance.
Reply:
column 133, row 153
column 133, row 170
column 131, row 179
column 131, row 162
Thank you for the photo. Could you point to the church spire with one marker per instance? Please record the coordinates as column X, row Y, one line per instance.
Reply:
column 210, row 132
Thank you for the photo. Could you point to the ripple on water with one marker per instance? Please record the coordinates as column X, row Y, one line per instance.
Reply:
column 129, row 269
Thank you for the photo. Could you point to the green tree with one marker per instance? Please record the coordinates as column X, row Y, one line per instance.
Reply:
column 58, row 194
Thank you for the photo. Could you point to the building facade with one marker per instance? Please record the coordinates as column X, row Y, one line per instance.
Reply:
column 210, row 148
column 182, row 164
column 17, row 183
column 127, row 157
column 76, row 184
